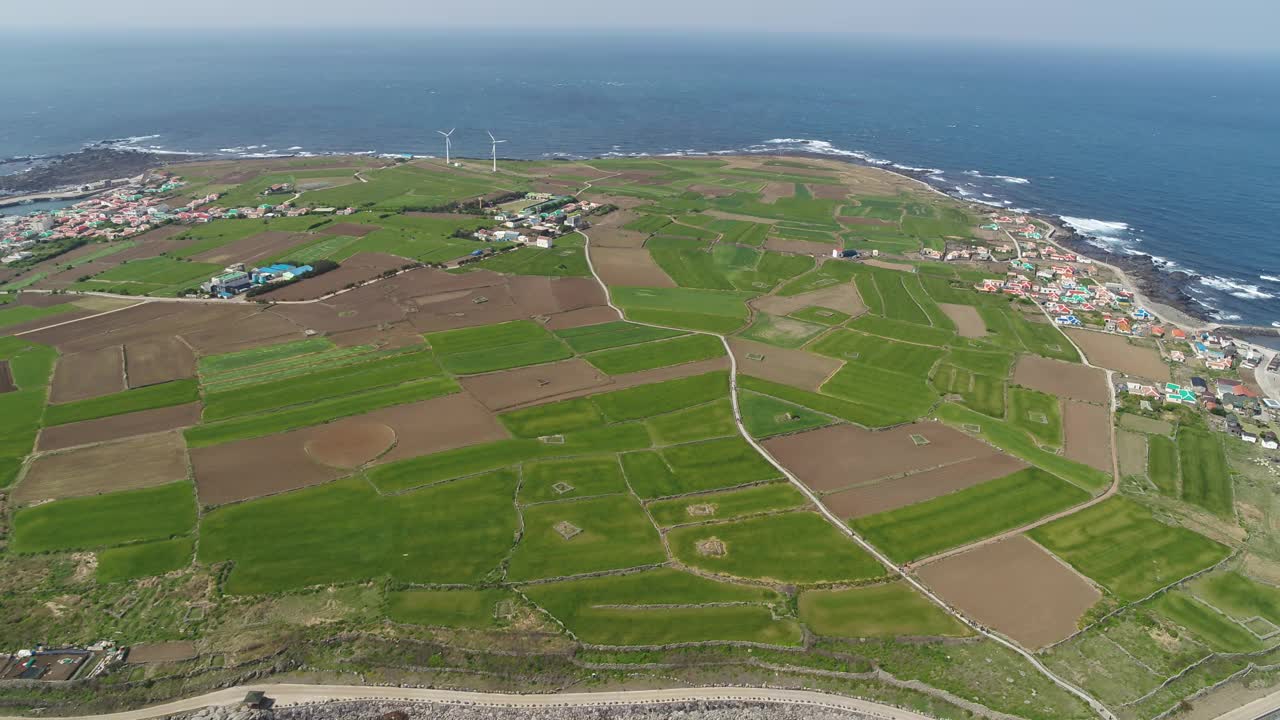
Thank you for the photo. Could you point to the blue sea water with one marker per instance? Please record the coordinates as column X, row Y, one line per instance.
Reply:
column 1177, row 156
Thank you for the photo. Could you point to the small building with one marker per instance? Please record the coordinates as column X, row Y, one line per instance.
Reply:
column 228, row 283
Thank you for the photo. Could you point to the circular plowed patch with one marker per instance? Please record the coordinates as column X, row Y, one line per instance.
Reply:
column 349, row 445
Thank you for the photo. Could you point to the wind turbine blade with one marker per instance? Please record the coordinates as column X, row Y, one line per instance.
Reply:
column 491, row 137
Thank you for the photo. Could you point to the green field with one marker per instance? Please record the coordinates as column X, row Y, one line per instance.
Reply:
column 1206, row 479
column 585, row 476
column 636, row 609
column 17, row 315
column 820, row 315
column 855, row 348
column 711, row 310
column 1162, row 464
column 160, row 276
column 611, row 335
column 978, row 392
column 904, row 331
column 1123, row 547
column 144, row 560
column 664, row 397
column 31, row 366
column 496, row 347
column 796, row 547
column 175, row 392
column 1211, row 627
column 454, row 608
column 783, row 332
column 1238, row 596
column 855, row 412
column 726, row 505
column 701, row 422
column 767, row 416
column 663, row 353
column 890, row 610
column 696, row 467
column 453, row 533
column 968, row 515
column 896, row 397
column 613, row 532
column 1036, row 414
column 553, row 418
column 106, row 520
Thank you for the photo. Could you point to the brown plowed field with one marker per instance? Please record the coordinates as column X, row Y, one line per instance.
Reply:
column 254, row 249
column 433, row 426
column 712, row 191
column 1087, row 429
column 968, row 322
column 885, row 265
column 339, row 314
column 125, row 465
column 777, row 190
column 799, row 247
column 1117, row 353
column 1072, row 381
column 828, row 192
column 1132, row 448
column 255, row 330
column 118, row 427
column 629, row 268
column 1016, row 587
column 616, row 237
column 843, row 297
column 151, row 362
column 88, row 374
column 501, row 390
column 47, row 321
column 842, row 455
column 349, row 445
column 252, row 468
column 789, row 367
column 911, row 489
column 145, row 321
column 348, row 229
column 6, row 378
column 582, row 317
column 355, row 269
column 644, row 377
column 391, row 337
column 161, row 652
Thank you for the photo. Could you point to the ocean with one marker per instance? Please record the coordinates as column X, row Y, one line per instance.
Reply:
column 1173, row 155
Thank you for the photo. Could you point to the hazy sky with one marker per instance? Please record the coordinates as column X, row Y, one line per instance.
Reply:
column 1222, row 25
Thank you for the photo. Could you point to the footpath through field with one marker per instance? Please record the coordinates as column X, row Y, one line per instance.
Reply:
column 293, row 694
column 1097, row 706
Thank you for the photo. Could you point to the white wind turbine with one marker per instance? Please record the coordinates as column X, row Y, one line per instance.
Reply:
column 495, row 142
column 447, row 143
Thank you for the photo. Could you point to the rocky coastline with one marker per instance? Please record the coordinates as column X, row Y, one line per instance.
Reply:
column 72, row 170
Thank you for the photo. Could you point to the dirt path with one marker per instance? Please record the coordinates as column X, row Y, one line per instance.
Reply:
column 295, row 694
column 1097, row 706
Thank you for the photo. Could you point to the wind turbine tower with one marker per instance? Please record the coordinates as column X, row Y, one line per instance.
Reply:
column 495, row 142
column 447, row 143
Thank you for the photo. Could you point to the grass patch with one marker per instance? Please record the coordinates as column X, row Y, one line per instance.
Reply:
column 571, row 478
column 1238, row 596
column 886, row 611
column 105, row 520
column 659, row 398
column 1121, row 546
column 796, row 547
column 1036, row 414
column 160, row 276
column 904, row 331
column 175, row 392
column 696, row 467
column 553, row 418
column 496, row 347
column 767, row 416
column 820, row 315
column 664, row 353
column 783, row 332
column 611, row 335
column 979, row 392
column 1206, row 479
column 613, row 532
column 1162, row 464
column 726, row 505
column 144, row 560
column 453, row 608
column 20, row 314
column 854, row 412
column 1211, row 627
column 962, row 517
column 713, row 420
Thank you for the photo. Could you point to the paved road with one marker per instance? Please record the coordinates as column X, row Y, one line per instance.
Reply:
column 1255, row 709
column 287, row 694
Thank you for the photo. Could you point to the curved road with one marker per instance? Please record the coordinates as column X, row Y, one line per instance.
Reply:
column 289, row 694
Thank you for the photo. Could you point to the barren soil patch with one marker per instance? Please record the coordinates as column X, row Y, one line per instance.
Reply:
column 843, row 455
column 798, row 247
column 843, row 297
column 1087, row 429
column 1065, row 380
column 6, row 378
column 349, row 445
column 348, row 229
column 616, row 237
column 253, row 249
column 88, row 374
column 827, row 192
column 886, row 265
column 911, row 489
column 1016, row 587
column 161, row 652
column 151, row 362
column 775, row 191
column 629, row 268
column 355, row 269
column 968, row 322
column 125, row 465
column 582, row 317
column 509, row 388
column 117, row 427
column 790, row 367
column 1117, row 353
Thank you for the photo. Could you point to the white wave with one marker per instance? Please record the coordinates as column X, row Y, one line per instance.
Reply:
column 1094, row 228
column 296, row 147
column 1235, row 288
column 818, row 147
column 1269, row 278
column 965, row 193
column 1228, row 317
column 1011, row 179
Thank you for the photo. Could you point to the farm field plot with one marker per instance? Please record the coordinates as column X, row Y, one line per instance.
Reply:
column 896, row 492
column 116, row 518
column 904, row 331
column 700, row 422
column 791, row 367
column 712, row 310
column 1069, row 381
column 592, row 338
column 629, row 267
column 451, row 533
column 645, row 401
column 1117, row 353
column 22, row 314
column 160, row 276
column 914, row 361
column 1142, row 424
column 1132, row 450
column 843, row 456
column 1088, row 434
column 1121, row 546
column 820, row 315
column 571, row 479
column 1016, row 587
column 637, row 609
column 85, row 375
column 125, row 465
column 1206, row 479
column 983, row 393
column 967, row 319
column 1037, row 414
column 917, row 531
column 177, row 392
column 662, row 353
column 766, row 416
column 727, row 504
column 152, row 362
column 839, row 295
column 783, row 332
column 1206, row 623
column 696, row 467
column 571, row 538
column 118, row 427
column 496, row 347
column 1238, row 596
column 455, row 608
column 514, row 388
column 884, row 611
column 795, row 547
column 144, row 560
